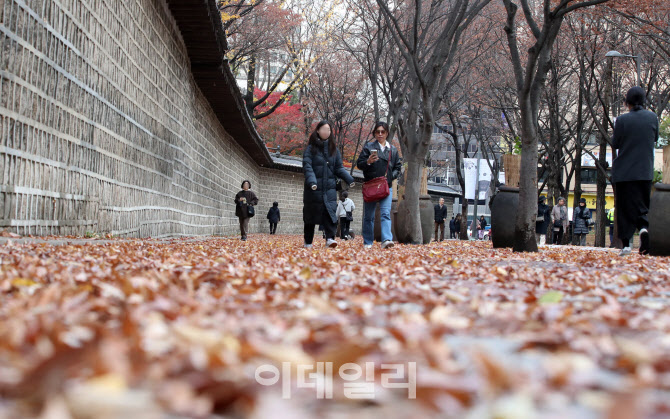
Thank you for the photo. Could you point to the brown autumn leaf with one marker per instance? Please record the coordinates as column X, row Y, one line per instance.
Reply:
column 184, row 323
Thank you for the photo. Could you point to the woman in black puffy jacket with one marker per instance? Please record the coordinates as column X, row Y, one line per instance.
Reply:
column 322, row 165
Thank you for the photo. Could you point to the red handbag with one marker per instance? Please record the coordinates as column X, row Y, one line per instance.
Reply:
column 378, row 188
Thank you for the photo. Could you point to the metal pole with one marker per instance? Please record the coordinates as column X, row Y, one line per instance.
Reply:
column 474, row 220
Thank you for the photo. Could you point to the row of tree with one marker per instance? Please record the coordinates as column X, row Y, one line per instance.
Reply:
column 529, row 75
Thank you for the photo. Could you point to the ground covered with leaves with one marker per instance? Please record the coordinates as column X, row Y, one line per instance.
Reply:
column 179, row 328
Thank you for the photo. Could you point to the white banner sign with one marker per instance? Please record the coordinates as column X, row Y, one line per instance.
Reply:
column 470, row 169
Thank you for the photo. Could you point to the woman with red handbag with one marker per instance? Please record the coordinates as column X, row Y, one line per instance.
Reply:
column 381, row 164
column 322, row 165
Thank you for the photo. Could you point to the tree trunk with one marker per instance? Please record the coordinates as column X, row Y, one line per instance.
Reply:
column 251, row 84
column 601, row 200
column 601, row 178
column 411, row 208
column 524, row 236
column 578, row 148
column 463, row 234
column 577, row 166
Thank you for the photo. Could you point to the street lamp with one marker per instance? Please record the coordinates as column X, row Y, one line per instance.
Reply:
column 617, row 54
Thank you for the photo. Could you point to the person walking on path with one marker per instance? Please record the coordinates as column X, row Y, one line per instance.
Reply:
column 635, row 136
column 379, row 158
column 482, row 227
column 580, row 223
column 345, row 213
column 440, row 217
column 322, row 165
column 274, row 217
column 452, row 228
column 559, row 221
column 542, row 220
column 245, row 200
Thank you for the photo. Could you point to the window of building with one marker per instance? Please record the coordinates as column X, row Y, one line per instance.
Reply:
column 590, row 176
column 438, row 130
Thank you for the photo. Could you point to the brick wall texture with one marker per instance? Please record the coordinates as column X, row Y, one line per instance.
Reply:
column 286, row 188
column 103, row 129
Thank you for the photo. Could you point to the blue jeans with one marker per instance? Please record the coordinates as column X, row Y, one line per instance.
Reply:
column 369, row 219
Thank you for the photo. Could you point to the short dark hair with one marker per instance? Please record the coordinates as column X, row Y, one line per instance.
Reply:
column 243, row 182
column 345, row 194
column 275, row 204
column 636, row 97
column 380, row 124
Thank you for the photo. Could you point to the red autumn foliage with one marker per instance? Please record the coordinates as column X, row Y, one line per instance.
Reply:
column 284, row 128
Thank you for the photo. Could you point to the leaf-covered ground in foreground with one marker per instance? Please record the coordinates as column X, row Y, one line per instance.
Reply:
column 177, row 328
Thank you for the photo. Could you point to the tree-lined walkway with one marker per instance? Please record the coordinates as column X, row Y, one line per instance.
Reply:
column 150, row 328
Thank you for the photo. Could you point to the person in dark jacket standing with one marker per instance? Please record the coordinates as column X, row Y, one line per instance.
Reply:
column 482, row 227
column 274, row 217
column 243, row 200
column 322, row 165
column 580, row 223
column 542, row 220
column 635, row 135
column 457, row 225
column 379, row 158
column 440, row 217
column 452, row 228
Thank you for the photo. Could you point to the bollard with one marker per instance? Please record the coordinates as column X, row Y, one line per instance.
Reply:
column 659, row 212
column 503, row 216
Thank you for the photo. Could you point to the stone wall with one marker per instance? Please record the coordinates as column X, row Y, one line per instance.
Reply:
column 286, row 188
column 102, row 127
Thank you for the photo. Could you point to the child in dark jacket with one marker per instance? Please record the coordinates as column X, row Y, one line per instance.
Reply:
column 274, row 217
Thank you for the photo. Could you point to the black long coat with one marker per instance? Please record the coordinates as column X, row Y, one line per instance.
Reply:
column 542, row 211
column 635, row 134
column 321, row 169
column 274, row 215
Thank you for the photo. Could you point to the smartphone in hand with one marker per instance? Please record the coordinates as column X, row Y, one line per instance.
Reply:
column 373, row 153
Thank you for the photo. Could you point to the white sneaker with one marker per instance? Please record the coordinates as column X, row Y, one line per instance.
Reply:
column 308, row 246
column 367, row 246
column 387, row 244
column 625, row 251
column 331, row 243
